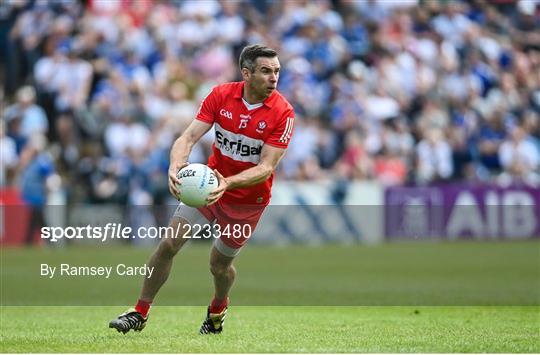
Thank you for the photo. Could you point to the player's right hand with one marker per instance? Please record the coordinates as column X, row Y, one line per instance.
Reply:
column 174, row 168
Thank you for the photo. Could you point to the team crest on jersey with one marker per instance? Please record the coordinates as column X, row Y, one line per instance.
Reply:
column 261, row 126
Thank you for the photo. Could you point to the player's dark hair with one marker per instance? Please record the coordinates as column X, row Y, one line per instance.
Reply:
column 249, row 56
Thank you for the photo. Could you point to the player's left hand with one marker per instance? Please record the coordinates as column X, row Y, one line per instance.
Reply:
column 219, row 191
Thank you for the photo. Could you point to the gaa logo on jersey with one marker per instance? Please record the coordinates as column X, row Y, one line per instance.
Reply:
column 225, row 113
column 261, row 126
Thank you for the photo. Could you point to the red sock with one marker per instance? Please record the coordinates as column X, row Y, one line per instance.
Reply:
column 143, row 307
column 217, row 305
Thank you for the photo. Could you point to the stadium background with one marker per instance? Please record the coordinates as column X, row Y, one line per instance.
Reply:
column 416, row 121
column 392, row 92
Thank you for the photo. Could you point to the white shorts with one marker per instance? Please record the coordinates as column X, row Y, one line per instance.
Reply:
column 195, row 217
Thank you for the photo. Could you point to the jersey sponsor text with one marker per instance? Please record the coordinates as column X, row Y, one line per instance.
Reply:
column 238, row 146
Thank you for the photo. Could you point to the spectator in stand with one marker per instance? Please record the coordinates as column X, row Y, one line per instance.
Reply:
column 464, row 121
column 8, row 156
column 36, row 167
column 355, row 163
column 126, row 138
column 389, row 168
column 73, row 81
column 434, row 157
column 432, row 116
column 301, row 161
column 531, row 125
column 465, row 69
column 33, row 119
column 391, row 163
column 490, row 137
column 520, row 158
column 452, row 24
column 26, row 35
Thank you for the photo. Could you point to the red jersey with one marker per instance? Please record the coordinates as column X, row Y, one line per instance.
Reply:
column 241, row 132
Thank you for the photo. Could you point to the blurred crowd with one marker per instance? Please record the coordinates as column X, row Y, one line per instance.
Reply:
column 401, row 91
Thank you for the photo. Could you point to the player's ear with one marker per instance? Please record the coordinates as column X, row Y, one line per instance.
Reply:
column 245, row 73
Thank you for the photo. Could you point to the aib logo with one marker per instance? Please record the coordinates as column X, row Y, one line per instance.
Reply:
column 225, row 113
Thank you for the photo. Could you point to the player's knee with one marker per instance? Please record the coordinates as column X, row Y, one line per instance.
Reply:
column 172, row 243
column 169, row 247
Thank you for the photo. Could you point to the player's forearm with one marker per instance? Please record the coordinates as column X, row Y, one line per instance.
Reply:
column 249, row 177
column 180, row 150
column 182, row 146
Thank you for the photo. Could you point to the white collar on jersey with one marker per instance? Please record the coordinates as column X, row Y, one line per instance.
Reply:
column 251, row 107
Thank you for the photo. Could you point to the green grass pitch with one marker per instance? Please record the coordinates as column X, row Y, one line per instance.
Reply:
column 399, row 297
column 277, row 329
